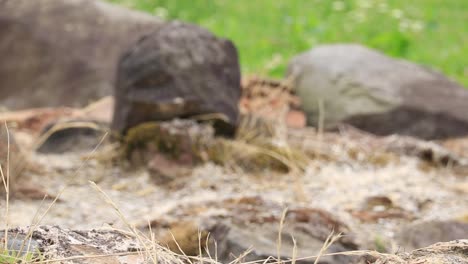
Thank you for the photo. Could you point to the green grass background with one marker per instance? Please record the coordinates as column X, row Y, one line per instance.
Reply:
column 269, row 32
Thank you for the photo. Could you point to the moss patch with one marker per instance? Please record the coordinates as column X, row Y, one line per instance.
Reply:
column 253, row 153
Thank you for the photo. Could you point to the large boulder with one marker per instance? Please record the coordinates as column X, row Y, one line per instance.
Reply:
column 362, row 87
column 180, row 70
column 57, row 52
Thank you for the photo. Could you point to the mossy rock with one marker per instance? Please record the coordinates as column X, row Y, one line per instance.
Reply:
column 179, row 137
column 172, row 139
column 148, row 136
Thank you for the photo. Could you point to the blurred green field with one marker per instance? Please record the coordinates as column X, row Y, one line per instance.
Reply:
column 269, row 32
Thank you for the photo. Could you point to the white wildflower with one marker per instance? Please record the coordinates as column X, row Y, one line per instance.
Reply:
column 161, row 12
column 338, row 5
column 365, row 4
column 417, row 26
column 397, row 13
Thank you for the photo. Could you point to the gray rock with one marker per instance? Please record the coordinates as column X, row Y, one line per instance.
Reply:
column 452, row 252
column 253, row 224
column 71, row 136
column 83, row 246
column 234, row 240
column 427, row 233
column 180, row 70
column 63, row 53
column 20, row 245
column 378, row 94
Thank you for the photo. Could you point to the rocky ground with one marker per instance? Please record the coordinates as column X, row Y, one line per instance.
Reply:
column 391, row 194
column 123, row 180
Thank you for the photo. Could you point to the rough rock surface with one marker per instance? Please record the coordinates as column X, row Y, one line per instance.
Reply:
column 253, row 223
column 423, row 234
column 79, row 246
column 176, row 140
column 109, row 246
column 250, row 223
column 69, row 50
column 179, row 70
column 453, row 252
column 382, row 95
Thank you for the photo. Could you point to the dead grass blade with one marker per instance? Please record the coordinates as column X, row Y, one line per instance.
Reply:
column 6, row 184
column 280, row 234
column 241, row 256
column 332, row 238
column 294, row 253
column 122, row 217
column 37, row 219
